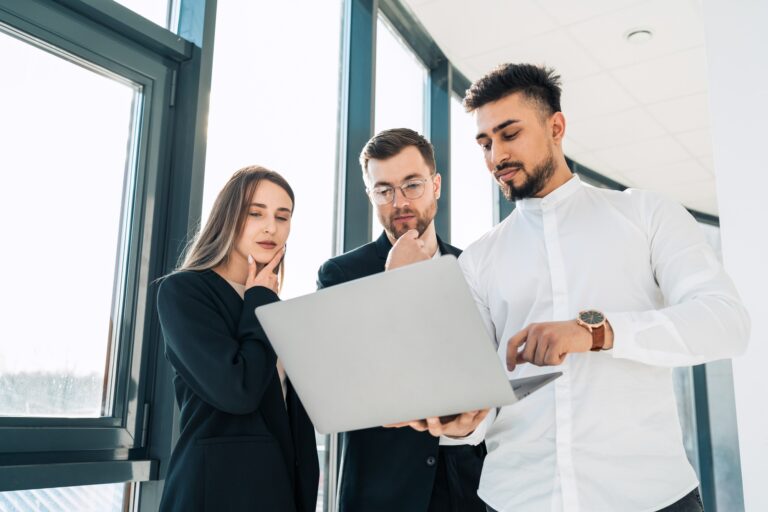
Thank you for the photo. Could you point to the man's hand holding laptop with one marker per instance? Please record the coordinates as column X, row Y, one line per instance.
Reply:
column 459, row 425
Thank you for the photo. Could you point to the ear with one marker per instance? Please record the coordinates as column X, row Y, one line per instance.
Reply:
column 557, row 123
column 437, row 182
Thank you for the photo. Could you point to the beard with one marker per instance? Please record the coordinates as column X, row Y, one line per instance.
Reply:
column 536, row 180
column 422, row 219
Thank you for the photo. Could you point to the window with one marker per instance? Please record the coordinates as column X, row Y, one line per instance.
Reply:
column 400, row 86
column 400, row 82
column 473, row 191
column 68, row 131
column 86, row 127
column 159, row 12
column 279, row 109
column 87, row 498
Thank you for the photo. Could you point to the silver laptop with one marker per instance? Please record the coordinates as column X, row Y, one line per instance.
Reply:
column 396, row 346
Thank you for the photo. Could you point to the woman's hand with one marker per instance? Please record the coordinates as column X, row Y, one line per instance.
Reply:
column 265, row 277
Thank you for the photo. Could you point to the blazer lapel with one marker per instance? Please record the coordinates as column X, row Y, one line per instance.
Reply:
column 441, row 247
column 383, row 246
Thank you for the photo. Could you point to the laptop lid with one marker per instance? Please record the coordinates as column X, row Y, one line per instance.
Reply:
column 395, row 346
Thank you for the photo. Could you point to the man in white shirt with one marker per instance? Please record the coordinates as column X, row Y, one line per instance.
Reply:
column 615, row 289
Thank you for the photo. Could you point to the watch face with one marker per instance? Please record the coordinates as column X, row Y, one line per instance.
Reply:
column 591, row 317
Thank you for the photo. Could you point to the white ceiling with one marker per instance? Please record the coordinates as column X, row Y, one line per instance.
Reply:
column 637, row 113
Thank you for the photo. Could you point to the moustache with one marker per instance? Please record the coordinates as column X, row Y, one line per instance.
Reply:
column 402, row 211
column 507, row 165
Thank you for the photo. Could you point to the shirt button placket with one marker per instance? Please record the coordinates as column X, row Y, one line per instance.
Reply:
column 563, row 411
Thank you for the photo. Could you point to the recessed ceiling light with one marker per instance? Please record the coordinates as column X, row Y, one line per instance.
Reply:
column 639, row 35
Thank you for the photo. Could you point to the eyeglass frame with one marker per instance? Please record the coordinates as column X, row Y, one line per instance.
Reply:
column 423, row 181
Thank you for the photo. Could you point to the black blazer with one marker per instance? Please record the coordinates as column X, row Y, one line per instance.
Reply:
column 382, row 469
column 241, row 448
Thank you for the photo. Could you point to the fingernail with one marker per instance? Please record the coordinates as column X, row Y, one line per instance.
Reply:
column 250, row 259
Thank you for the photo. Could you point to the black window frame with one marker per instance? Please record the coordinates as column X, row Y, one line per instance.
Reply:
column 133, row 444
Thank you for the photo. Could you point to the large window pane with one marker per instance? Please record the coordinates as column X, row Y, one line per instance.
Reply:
column 400, row 86
column 400, row 82
column 279, row 109
column 473, row 191
column 87, row 498
column 160, row 12
column 67, row 135
column 274, row 102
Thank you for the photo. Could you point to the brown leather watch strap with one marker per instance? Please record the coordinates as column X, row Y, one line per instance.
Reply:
column 598, row 338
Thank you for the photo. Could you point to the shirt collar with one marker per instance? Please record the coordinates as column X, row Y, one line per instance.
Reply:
column 552, row 199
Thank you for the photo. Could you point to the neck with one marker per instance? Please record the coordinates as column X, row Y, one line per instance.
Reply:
column 561, row 175
column 235, row 269
column 429, row 237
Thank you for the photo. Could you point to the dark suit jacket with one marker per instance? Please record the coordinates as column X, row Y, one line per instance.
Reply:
column 242, row 447
column 382, row 469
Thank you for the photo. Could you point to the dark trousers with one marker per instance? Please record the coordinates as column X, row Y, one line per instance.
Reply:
column 457, row 478
column 691, row 502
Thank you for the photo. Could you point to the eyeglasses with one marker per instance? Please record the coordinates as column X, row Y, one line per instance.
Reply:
column 411, row 189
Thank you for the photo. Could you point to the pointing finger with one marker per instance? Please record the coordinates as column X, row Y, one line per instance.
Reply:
column 513, row 346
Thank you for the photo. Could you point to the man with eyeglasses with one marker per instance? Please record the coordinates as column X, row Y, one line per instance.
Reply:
column 391, row 469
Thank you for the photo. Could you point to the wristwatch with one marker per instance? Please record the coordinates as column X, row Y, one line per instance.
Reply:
column 594, row 322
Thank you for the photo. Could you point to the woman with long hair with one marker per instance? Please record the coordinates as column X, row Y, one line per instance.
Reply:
column 246, row 442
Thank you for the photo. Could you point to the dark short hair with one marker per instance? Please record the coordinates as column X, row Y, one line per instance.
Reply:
column 537, row 83
column 389, row 143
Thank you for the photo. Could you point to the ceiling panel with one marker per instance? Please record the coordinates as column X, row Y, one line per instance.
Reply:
column 670, row 22
column 646, row 155
column 615, row 129
column 464, row 28
column 573, row 148
column 567, row 12
column 595, row 96
column 680, row 74
column 672, row 176
column 542, row 50
column 593, row 161
column 708, row 163
column 682, row 114
column 697, row 142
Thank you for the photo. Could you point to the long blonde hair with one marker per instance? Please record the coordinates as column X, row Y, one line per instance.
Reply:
column 216, row 240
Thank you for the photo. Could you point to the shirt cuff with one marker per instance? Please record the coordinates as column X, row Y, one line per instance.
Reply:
column 474, row 438
column 649, row 337
column 623, row 335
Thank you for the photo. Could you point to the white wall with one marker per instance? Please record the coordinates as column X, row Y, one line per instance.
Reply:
column 737, row 52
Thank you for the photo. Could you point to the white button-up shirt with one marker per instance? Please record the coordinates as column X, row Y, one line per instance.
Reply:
column 606, row 435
